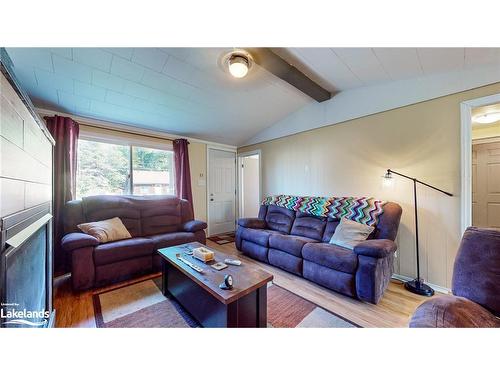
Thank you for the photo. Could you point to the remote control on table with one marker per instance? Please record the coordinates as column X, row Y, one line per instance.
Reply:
column 188, row 263
column 234, row 262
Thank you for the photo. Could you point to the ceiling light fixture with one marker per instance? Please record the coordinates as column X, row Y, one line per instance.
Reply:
column 487, row 118
column 238, row 66
column 238, row 63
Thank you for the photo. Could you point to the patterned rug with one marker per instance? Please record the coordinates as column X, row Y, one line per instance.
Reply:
column 222, row 239
column 142, row 305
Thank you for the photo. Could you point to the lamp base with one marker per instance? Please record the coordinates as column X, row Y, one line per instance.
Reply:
column 418, row 287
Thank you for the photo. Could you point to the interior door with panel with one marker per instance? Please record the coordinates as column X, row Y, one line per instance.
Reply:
column 221, row 191
column 486, row 185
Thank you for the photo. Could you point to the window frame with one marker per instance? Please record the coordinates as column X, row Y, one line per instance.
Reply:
column 123, row 139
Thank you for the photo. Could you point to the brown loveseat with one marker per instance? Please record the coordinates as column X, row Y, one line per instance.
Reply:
column 154, row 222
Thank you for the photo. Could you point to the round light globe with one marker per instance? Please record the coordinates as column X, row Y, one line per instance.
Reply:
column 487, row 118
column 238, row 66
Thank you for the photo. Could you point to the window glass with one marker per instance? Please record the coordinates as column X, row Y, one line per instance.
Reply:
column 105, row 168
column 152, row 171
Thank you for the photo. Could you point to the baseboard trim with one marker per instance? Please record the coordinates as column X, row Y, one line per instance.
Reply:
column 437, row 288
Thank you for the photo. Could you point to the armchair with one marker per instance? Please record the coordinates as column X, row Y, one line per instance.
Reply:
column 475, row 285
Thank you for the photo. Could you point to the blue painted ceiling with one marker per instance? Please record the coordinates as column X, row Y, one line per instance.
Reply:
column 177, row 90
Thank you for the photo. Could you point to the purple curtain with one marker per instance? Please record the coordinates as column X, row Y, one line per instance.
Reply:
column 182, row 171
column 65, row 132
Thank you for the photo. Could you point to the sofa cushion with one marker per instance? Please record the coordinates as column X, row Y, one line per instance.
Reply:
column 288, row 243
column 308, row 226
column 254, row 250
column 120, row 250
column 279, row 219
column 106, row 230
column 388, row 222
column 252, row 222
column 330, row 227
column 173, row 239
column 331, row 256
column 161, row 216
column 452, row 312
column 73, row 241
column 336, row 280
column 258, row 236
column 103, row 207
column 285, row 261
column 350, row 233
column 194, row 226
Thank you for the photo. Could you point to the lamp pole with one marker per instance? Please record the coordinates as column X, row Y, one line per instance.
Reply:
column 416, row 231
column 416, row 285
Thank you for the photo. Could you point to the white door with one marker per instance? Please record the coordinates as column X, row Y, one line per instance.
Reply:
column 249, row 185
column 221, row 191
column 486, row 185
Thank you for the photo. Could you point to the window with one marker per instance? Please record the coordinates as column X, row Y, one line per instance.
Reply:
column 107, row 168
column 152, row 171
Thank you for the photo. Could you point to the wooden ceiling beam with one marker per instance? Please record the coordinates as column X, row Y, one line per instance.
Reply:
column 276, row 65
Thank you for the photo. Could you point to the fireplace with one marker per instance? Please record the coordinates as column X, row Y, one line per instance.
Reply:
column 26, row 154
column 26, row 269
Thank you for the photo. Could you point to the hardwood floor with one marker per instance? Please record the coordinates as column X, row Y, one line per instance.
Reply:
column 394, row 310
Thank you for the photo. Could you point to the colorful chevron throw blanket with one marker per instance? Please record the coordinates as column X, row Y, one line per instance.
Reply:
column 364, row 210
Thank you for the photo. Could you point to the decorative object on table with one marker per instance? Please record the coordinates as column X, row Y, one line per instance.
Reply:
column 189, row 264
column 218, row 266
column 227, row 283
column 203, row 254
column 417, row 285
column 233, row 262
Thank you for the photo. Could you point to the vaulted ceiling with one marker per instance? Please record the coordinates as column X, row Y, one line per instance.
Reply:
column 340, row 69
column 185, row 91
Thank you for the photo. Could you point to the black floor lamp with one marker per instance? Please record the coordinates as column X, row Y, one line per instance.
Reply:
column 417, row 286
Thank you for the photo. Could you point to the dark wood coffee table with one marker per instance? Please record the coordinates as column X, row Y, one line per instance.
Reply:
column 199, row 293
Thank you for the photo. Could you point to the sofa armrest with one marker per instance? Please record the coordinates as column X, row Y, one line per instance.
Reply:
column 76, row 240
column 194, row 226
column 254, row 223
column 452, row 312
column 376, row 248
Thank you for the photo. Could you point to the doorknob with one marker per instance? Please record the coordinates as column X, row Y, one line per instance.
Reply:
column 211, row 199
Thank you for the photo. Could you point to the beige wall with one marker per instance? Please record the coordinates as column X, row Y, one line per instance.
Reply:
column 198, row 166
column 421, row 140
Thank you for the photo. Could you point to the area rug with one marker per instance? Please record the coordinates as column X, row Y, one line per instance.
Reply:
column 142, row 305
column 222, row 239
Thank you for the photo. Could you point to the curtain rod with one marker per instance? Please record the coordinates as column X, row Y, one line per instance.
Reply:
column 126, row 131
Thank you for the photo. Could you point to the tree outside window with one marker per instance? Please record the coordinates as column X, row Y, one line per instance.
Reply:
column 105, row 168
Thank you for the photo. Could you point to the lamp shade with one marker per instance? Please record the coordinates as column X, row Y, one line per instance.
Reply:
column 388, row 180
